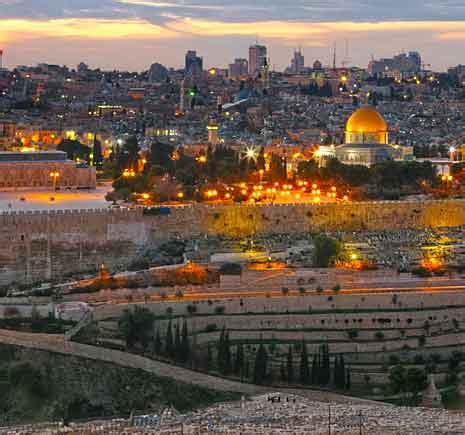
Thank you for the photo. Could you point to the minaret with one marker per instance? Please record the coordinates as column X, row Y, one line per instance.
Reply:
column 213, row 137
column 182, row 96
column 334, row 57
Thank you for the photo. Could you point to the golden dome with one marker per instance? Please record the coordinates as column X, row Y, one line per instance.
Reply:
column 366, row 120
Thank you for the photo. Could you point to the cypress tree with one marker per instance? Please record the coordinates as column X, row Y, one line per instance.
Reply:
column 282, row 370
column 260, row 368
column 342, row 370
column 348, row 381
column 169, row 340
column 304, row 370
column 239, row 362
column 337, row 372
column 220, row 353
column 185, row 346
column 209, row 360
column 290, row 366
column 157, row 346
column 177, row 343
column 325, row 366
column 227, row 355
column 314, row 377
column 246, row 370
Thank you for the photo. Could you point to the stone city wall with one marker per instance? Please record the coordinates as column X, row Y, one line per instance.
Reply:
column 40, row 246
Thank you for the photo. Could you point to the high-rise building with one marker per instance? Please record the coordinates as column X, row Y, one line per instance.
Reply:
column 194, row 64
column 239, row 68
column 297, row 62
column 402, row 64
column 257, row 59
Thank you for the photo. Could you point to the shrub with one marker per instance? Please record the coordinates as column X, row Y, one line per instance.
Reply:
column 231, row 269
column 337, row 288
column 421, row 272
column 302, row 290
column 319, row 289
column 352, row 333
column 191, row 309
column 379, row 335
column 211, row 327
column 220, row 309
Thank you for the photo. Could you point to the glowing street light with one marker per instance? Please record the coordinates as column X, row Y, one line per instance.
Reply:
column 129, row 173
column 251, row 153
column 54, row 176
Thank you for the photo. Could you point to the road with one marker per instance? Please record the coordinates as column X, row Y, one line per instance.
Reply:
column 152, row 295
column 57, row 344
column 41, row 199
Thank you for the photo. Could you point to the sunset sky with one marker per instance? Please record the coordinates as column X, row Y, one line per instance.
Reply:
column 132, row 34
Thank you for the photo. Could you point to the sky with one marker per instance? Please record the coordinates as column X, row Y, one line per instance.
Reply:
column 132, row 34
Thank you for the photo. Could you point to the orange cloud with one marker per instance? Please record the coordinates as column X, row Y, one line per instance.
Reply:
column 452, row 36
column 286, row 30
column 98, row 29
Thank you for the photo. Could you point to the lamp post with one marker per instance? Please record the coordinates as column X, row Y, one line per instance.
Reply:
column 54, row 176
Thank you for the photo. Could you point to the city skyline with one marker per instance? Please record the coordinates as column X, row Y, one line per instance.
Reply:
column 149, row 31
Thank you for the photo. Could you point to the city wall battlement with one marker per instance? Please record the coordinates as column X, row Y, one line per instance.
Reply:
column 38, row 245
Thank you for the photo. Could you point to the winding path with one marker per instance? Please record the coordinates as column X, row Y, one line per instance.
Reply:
column 57, row 344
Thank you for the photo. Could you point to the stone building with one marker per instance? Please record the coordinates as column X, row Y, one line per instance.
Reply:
column 43, row 169
column 7, row 133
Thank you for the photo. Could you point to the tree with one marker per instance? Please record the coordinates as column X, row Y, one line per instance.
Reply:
column 348, row 380
column 169, row 348
column 239, row 361
column 97, row 152
column 326, row 250
column 177, row 343
column 128, row 156
column 209, row 359
column 260, row 368
column 157, row 345
column 407, row 382
column 304, row 370
column 325, row 367
column 339, row 372
column 74, row 149
column 224, row 353
column 315, row 370
column 289, row 366
column 185, row 345
column 136, row 326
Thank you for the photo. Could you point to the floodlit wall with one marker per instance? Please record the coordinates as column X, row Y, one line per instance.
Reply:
column 40, row 246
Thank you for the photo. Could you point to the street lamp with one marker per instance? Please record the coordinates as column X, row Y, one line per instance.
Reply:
column 54, row 176
column 127, row 173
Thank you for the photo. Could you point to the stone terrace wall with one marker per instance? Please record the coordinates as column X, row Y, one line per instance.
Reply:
column 37, row 246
